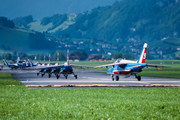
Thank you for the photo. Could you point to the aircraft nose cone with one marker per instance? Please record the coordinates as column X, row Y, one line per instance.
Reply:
column 115, row 72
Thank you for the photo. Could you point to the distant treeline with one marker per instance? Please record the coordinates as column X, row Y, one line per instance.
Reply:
column 4, row 22
column 23, row 21
column 40, row 57
column 56, row 20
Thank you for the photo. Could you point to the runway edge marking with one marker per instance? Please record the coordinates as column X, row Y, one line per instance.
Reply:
column 104, row 85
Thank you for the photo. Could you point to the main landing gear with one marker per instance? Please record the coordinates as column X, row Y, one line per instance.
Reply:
column 57, row 76
column 116, row 78
column 138, row 77
column 49, row 75
column 42, row 75
column 75, row 76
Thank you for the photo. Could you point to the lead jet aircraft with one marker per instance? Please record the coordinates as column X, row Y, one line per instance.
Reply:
column 127, row 68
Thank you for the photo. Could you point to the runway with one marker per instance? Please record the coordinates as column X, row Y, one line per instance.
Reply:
column 85, row 77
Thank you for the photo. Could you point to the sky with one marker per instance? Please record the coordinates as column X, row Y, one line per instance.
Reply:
column 46, row 8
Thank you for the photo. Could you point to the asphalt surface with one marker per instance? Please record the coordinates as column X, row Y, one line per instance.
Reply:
column 85, row 77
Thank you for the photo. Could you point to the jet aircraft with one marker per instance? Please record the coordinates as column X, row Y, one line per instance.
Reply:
column 127, row 68
column 1, row 66
column 12, row 66
column 31, row 64
column 45, row 68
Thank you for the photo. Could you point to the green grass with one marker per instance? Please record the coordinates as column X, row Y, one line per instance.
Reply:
column 174, row 41
column 19, row 102
column 172, row 72
column 36, row 26
column 14, row 38
column 17, row 40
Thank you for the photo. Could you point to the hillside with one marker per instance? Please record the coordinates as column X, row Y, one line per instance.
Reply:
column 133, row 20
column 52, row 24
column 43, row 8
column 124, row 21
column 122, row 27
column 17, row 40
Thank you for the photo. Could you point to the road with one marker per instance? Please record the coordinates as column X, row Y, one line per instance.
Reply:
column 85, row 77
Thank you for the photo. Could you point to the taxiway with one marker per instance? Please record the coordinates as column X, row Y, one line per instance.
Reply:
column 85, row 77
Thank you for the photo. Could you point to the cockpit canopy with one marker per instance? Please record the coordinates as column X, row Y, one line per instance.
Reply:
column 118, row 60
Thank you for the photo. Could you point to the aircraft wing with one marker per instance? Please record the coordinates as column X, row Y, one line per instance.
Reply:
column 157, row 66
column 80, row 66
column 43, row 67
column 107, row 65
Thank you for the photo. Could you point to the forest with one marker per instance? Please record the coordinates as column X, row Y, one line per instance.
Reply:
column 140, row 21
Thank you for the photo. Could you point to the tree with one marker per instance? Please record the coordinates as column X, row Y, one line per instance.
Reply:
column 40, row 56
column 61, row 56
column 23, row 56
column 128, row 56
column 99, row 55
column 148, row 57
column 7, row 56
column 38, row 41
column 117, row 55
column 6, row 23
column 54, row 56
column 45, row 21
column 23, row 21
column 85, row 54
column 15, row 53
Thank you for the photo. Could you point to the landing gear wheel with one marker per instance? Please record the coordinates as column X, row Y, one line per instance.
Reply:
column 49, row 75
column 75, row 76
column 42, row 75
column 117, row 78
column 37, row 74
column 112, row 79
column 57, row 76
column 66, row 77
column 139, row 78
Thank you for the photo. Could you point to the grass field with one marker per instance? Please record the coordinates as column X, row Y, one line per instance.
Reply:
column 19, row 102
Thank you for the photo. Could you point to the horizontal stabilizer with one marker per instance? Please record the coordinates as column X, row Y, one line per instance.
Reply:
column 157, row 66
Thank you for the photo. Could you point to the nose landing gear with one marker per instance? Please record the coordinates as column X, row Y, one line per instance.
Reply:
column 138, row 77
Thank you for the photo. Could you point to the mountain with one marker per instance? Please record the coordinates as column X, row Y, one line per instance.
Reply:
column 122, row 27
column 130, row 20
column 42, row 8
column 127, row 20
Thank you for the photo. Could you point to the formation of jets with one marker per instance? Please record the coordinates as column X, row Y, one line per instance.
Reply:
column 120, row 67
column 19, row 65
column 64, row 69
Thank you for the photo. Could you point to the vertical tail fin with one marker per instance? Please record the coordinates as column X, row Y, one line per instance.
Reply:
column 57, row 58
column 68, row 57
column 44, row 59
column 18, row 59
column 26, row 63
column 5, row 63
column 30, row 63
column 142, row 57
column 49, row 60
